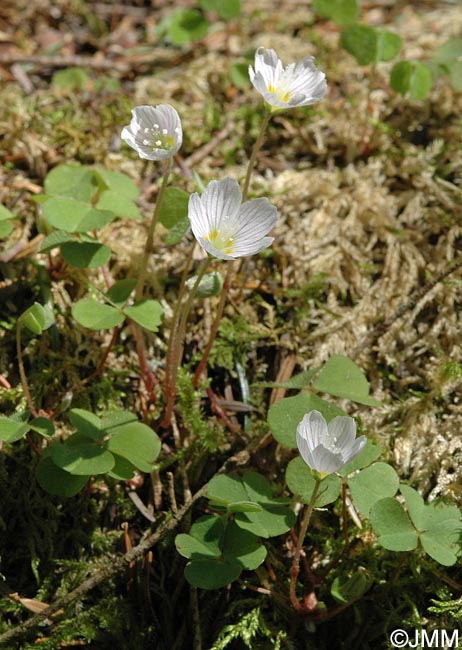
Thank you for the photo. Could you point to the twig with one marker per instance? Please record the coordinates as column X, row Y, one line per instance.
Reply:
column 196, row 619
column 8, row 58
column 121, row 562
column 22, row 372
column 116, row 565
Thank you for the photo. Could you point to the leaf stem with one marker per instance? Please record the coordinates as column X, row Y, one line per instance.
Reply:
column 150, row 236
column 22, row 372
column 215, row 325
column 175, row 351
column 227, row 283
column 253, row 155
column 295, row 570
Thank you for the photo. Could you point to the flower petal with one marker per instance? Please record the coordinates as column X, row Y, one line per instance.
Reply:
column 198, row 218
column 268, row 64
column 221, row 201
column 326, row 460
column 342, row 432
column 304, row 448
column 313, row 428
column 355, row 449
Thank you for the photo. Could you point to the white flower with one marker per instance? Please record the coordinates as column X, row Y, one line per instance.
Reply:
column 298, row 84
column 324, row 447
column 227, row 228
column 155, row 132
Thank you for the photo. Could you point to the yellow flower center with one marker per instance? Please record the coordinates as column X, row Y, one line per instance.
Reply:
column 281, row 93
column 221, row 241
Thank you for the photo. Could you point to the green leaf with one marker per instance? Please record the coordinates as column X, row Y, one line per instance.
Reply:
column 400, row 76
column 226, row 488
column 123, row 470
column 211, row 574
column 113, row 419
column 271, row 519
column 244, row 506
column 37, row 318
column 55, row 239
column 70, row 79
column 346, row 589
column 74, row 181
column 389, row 45
column 43, row 426
column 85, row 255
column 270, row 522
column 367, row 456
column 421, row 82
column 342, row 12
column 95, row 315
column 285, row 415
column 177, row 232
column 372, row 484
column 392, row 526
column 87, row 423
column 80, row 456
column 455, row 75
column 5, row 213
column 5, row 226
column 411, row 77
column 361, row 42
column 257, row 487
column 226, row 10
column 137, row 443
column 439, row 525
column 242, row 548
column 300, row 482
column 448, row 52
column 147, row 313
column 118, row 204
column 341, row 377
column 239, row 73
column 174, row 207
column 205, row 539
column 11, row 430
column 120, row 291
column 187, row 25
column 117, row 182
column 5, row 229
column 74, row 216
column 55, row 480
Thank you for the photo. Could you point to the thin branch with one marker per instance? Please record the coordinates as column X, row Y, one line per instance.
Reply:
column 8, row 58
column 22, row 372
column 119, row 563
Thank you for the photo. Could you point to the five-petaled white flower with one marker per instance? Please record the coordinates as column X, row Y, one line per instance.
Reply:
column 227, row 228
column 326, row 448
column 155, row 132
column 298, row 84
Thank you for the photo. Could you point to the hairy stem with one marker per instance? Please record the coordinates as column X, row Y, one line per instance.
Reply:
column 150, row 236
column 175, row 352
column 253, row 155
column 22, row 372
column 215, row 325
column 295, row 570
